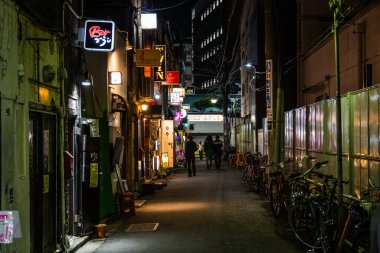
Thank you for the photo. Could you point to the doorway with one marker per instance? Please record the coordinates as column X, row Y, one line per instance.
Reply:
column 43, row 182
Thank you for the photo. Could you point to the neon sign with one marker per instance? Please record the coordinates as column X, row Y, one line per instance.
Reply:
column 99, row 35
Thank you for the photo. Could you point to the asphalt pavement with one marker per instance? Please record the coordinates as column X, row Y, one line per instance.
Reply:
column 210, row 212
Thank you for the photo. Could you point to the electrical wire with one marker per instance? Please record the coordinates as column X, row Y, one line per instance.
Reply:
column 170, row 7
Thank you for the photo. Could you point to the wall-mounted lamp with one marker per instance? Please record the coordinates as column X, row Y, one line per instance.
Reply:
column 144, row 106
column 114, row 77
column 86, row 82
column 148, row 21
column 157, row 96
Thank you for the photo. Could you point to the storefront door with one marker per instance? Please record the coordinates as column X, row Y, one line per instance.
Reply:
column 43, row 182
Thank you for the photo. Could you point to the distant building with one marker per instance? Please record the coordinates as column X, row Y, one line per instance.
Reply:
column 208, row 32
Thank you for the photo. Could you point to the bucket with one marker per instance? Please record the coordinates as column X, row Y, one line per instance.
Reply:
column 101, row 230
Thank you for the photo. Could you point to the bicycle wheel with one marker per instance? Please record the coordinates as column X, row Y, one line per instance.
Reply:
column 362, row 243
column 304, row 225
column 274, row 198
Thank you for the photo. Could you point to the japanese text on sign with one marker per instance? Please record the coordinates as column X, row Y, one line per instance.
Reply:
column 99, row 35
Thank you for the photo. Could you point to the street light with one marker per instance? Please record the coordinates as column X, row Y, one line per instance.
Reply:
column 144, row 106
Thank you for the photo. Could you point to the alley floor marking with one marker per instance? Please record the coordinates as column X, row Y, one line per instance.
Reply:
column 142, row 227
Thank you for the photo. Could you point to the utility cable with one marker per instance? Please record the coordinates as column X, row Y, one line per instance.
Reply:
column 170, row 7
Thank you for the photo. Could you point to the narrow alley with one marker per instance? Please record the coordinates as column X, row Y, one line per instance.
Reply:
column 211, row 212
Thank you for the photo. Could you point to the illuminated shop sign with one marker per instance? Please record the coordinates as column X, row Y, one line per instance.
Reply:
column 190, row 90
column 181, row 91
column 159, row 73
column 205, row 117
column 175, row 98
column 99, row 35
column 172, row 77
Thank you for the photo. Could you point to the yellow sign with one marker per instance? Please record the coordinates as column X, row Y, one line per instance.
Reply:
column 159, row 72
column 148, row 58
column 94, row 175
column 46, row 184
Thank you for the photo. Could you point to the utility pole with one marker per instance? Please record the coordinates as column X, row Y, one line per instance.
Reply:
column 274, row 102
column 336, row 7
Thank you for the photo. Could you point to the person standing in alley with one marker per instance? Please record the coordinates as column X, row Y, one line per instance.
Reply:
column 190, row 148
column 218, row 145
column 200, row 150
column 209, row 150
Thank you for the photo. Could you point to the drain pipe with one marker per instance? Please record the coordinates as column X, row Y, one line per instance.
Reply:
column 68, row 4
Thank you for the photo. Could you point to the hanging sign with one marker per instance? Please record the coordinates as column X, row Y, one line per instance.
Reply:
column 190, row 90
column 172, row 77
column 99, row 35
column 118, row 103
column 181, row 91
column 159, row 73
column 268, row 89
column 148, row 58
column 174, row 98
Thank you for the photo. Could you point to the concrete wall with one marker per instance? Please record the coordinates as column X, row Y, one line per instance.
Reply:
column 357, row 48
column 16, row 89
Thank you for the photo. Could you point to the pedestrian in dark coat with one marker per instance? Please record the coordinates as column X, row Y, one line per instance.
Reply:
column 209, row 150
column 190, row 148
column 218, row 145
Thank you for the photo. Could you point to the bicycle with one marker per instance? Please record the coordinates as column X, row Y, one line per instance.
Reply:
column 356, row 231
column 280, row 188
column 313, row 216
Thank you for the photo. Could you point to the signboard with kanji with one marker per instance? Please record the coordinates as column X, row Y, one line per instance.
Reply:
column 268, row 89
column 99, row 35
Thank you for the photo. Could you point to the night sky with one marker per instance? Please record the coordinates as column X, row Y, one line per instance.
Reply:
column 179, row 17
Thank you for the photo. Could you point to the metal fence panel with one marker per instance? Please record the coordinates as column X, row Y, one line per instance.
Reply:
column 312, row 131
column 288, row 134
column 364, row 122
column 345, row 124
column 373, row 131
column 300, row 123
column 331, row 125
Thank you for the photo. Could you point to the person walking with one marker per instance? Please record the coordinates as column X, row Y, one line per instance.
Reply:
column 218, row 145
column 190, row 148
column 209, row 150
column 200, row 150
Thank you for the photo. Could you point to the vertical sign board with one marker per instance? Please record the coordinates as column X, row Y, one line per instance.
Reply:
column 159, row 73
column 167, row 142
column 99, row 35
column 268, row 89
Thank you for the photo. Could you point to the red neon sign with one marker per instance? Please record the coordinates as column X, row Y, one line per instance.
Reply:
column 96, row 32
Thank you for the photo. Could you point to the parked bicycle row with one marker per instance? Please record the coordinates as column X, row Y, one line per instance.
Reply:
column 308, row 198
